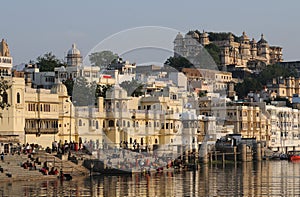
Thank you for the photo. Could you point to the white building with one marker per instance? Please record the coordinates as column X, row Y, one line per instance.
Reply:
column 75, row 68
column 284, row 131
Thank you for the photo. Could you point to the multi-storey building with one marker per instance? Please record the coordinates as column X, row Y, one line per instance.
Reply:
column 284, row 128
column 211, row 80
column 35, row 115
column 247, row 118
column 284, row 87
column 239, row 51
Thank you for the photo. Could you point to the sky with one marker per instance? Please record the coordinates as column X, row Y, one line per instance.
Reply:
column 34, row 27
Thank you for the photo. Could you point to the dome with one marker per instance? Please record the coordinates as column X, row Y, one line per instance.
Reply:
column 244, row 37
column 262, row 40
column 204, row 34
column 74, row 50
column 195, row 35
column 179, row 36
column 59, row 89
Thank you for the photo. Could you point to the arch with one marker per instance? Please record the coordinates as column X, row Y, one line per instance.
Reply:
column 111, row 123
column 80, row 122
column 18, row 98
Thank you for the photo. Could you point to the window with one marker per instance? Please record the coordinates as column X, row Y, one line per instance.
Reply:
column 111, row 123
column 80, row 122
column 47, row 107
column 5, row 98
column 86, row 73
column 18, row 98
column 97, row 125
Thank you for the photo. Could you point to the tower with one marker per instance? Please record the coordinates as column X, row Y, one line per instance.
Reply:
column 263, row 49
column 5, row 59
column 253, row 48
column 204, row 40
column 74, row 57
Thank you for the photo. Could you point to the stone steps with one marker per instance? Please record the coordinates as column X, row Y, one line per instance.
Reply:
column 12, row 166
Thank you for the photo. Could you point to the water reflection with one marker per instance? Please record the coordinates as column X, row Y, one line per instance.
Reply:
column 267, row 178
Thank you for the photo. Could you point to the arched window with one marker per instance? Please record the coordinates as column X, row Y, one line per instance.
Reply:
column 18, row 98
column 97, row 125
column 111, row 123
column 80, row 122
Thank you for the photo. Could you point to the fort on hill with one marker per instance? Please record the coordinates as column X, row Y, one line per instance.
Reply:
column 240, row 51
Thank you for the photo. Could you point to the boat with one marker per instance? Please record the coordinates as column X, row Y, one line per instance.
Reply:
column 294, row 155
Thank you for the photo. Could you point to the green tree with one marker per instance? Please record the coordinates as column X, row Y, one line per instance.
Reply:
column 214, row 52
column 178, row 63
column 256, row 82
column 274, row 71
column 103, row 59
column 133, row 88
column 101, row 90
column 4, row 86
column 248, row 85
column 69, row 83
column 48, row 62
column 82, row 94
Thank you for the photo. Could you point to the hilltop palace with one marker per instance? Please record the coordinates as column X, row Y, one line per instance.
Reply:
column 238, row 51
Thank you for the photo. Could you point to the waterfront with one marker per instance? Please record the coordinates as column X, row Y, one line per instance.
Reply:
column 266, row 178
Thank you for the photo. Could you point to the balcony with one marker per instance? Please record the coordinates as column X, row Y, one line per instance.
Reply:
column 41, row 131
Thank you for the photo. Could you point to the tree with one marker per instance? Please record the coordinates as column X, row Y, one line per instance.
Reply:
column 248, row 85
column 274, row 71
column 255, row 83
column 178, row 63
column 103, row 59
column 214, row 52
column 83, row 92
column 101, row 90
column 69, row 83
column 133, row 88
column 48, row 62
column 4, row 86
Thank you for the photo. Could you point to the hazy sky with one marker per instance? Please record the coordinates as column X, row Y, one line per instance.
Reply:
column 34, row 27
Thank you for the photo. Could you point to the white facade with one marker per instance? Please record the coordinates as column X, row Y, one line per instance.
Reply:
column 284, row 131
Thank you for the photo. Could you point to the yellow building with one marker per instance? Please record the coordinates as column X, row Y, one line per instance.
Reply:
column 239, row 51
column 37, row 116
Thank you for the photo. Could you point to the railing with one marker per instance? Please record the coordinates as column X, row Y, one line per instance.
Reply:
column 41, row 131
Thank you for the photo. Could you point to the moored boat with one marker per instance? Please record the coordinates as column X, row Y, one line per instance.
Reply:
column 294, row 156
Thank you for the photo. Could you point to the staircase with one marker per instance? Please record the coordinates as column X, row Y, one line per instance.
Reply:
column 12, row 170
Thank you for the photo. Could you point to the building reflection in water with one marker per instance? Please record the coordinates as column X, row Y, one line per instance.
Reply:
column 267, row 178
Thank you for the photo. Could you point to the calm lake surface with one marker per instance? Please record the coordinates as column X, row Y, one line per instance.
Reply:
column 266, row 178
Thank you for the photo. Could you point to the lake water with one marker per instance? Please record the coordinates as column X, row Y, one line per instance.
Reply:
column 266, row 178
